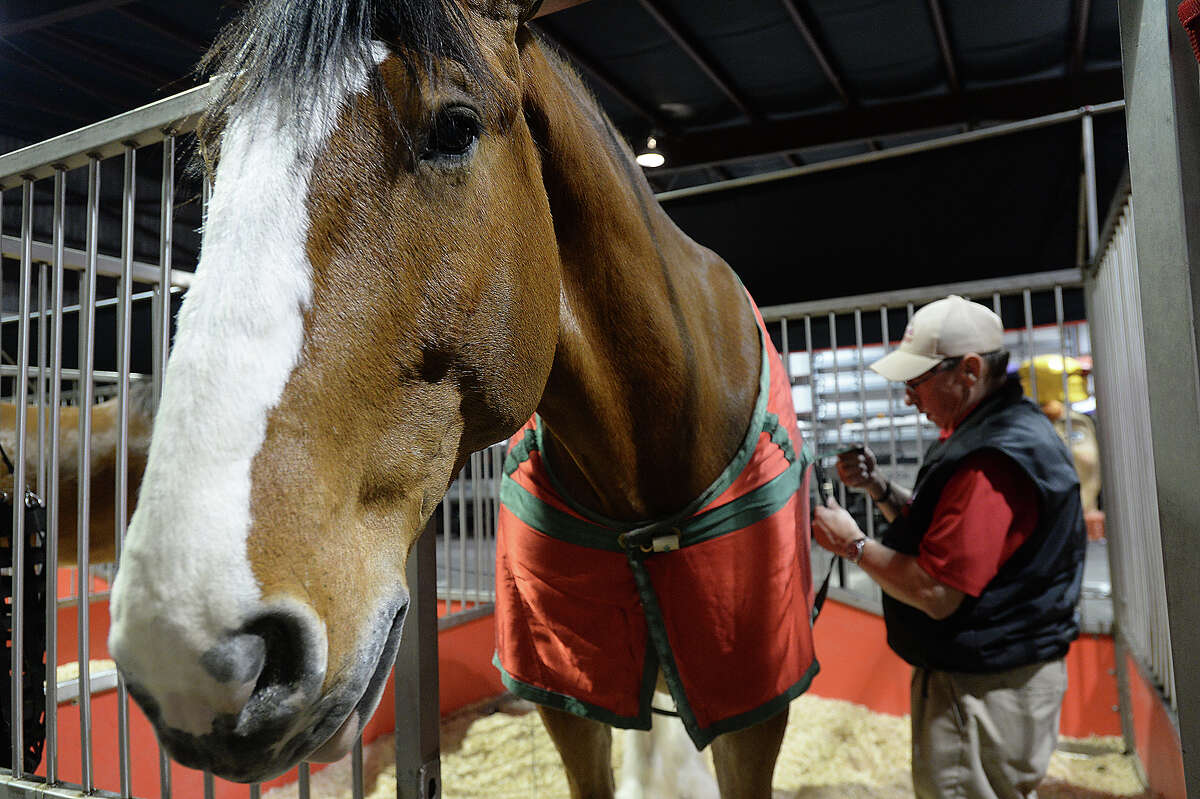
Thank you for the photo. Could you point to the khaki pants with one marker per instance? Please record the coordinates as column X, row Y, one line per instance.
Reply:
column 985, row 736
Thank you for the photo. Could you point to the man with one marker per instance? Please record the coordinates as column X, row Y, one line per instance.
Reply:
column 981, row 565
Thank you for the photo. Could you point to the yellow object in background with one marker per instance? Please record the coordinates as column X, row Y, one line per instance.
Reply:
column 1082, row 442
column 1048, row 370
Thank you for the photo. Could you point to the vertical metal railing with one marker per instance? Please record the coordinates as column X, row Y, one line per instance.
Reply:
column 1127, row 464
column 87, row 352
column 52, row 498
column 850, row 403
column 466, row 536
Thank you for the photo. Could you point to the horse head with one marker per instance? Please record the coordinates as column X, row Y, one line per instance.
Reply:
column 377, row 297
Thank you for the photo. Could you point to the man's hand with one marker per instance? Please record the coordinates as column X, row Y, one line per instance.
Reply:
column 856, row 468
column 834, row 528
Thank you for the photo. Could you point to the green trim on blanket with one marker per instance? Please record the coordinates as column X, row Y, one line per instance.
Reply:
column 761, row 713
column 553, row 522
column 519, row 453
column 570, row 704
column 731, row 517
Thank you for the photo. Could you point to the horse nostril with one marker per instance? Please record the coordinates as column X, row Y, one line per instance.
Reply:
column 285, row 655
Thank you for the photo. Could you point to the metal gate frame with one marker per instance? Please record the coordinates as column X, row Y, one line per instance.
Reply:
column 1162, row 90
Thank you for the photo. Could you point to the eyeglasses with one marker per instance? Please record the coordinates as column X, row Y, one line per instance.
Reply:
column 943, row 366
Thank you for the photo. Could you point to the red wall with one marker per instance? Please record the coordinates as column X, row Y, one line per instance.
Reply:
column 856, row 665
column 1155, row 738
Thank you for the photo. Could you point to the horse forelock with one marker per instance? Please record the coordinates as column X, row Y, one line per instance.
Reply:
column 285, row 50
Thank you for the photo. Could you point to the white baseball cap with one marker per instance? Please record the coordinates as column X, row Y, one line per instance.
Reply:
column 942, row 329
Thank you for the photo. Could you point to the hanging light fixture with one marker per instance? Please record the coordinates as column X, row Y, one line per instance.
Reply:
column 650, row 156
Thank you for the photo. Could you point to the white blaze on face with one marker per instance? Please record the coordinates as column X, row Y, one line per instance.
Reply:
column 185, row 579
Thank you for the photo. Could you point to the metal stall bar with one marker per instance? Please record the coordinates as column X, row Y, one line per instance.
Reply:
column 43, row 295
column 843, row 578
column 302, row 788
column 462, row 539
column 489, row 521
column 887, row 347
column 837, row 390
column 1029, row 348
column 161, row 339
column 87, row 346
column 862, row 405
column 446, row 550
column 106, row 265
column 52, row 497
column 1039, row 281
column 415, row 679
column 166, row 241
column 20, row 389
column 1087, row 129
column 1062, row 357
column 812, row 387
column 783, row 341
column 124, row 304
column 164, row 774
column 356, row 769
column 918, row 426
column 477, row 518
column 78, row 148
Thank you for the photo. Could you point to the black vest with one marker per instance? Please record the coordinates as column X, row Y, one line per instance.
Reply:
column 1027, row 613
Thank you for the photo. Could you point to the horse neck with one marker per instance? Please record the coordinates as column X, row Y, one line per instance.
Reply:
column 656, row 369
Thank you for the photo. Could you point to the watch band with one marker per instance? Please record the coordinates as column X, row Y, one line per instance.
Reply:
column 854, row 552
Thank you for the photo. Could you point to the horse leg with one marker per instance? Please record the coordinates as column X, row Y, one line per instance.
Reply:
column 585, row 747
column 745, row 760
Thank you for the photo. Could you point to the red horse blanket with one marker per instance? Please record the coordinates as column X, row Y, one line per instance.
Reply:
column 718, row 596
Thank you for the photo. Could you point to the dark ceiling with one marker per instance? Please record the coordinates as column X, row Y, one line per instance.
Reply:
column 733, row 88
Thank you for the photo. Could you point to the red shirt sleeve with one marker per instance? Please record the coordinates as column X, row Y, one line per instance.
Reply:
column 988, row 508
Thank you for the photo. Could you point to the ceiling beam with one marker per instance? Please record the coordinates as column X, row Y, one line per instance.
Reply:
column 132, row 68
column 28, row 60
column 1008, row 102
column 66, row 14
column 820, row 51
column 938, row 20
column 165, row 27
column 1080, row 14
column 694, row 51
column 22, row 103
column 598, row 76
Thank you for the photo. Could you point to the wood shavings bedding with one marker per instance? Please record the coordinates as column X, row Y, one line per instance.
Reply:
column 832, row 750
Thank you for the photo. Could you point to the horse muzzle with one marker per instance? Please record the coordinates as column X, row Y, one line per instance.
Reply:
column 265, row 706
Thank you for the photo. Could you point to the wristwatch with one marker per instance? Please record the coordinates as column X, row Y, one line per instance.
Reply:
column 854, row 552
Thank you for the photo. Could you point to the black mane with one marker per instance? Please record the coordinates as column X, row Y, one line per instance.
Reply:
column 287, row 47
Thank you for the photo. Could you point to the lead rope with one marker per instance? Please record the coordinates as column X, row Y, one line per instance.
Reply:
column 31, row 716
column 824, row 491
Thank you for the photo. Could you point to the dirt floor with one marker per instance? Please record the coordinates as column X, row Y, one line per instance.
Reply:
column 833, row 750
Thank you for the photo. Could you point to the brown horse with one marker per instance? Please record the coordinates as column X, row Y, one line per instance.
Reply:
column 422, row 231
column 102, row 466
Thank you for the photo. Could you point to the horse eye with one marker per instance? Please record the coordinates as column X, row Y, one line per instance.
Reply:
column 454, row 132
